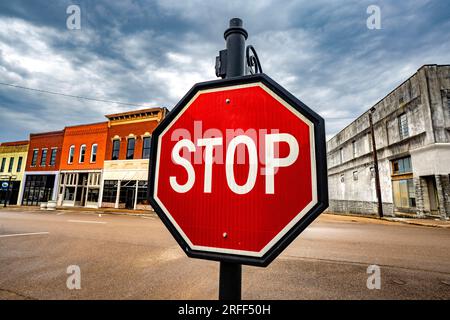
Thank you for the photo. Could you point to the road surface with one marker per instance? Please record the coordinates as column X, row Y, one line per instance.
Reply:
column 135, row 257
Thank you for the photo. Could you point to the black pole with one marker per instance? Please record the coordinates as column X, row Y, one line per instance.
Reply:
column 7, row 192
column 235, row 37
column 230, row 279
column 375, row 167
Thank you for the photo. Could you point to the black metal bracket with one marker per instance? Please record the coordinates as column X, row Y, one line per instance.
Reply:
column 253, row 65
column 221, row 64
column 251, row 57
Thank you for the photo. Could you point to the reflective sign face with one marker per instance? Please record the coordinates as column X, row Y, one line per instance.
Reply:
column 238, row 170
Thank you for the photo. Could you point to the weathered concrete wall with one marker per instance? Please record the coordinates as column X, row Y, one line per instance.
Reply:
column 359, row 207
column 424, row 99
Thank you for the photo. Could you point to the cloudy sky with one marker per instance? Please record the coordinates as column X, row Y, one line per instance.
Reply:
column 149, row 53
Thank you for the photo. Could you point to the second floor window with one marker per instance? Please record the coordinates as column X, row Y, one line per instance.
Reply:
column 94, row 153
column 43, row 157
column 11, row 164
column 130, row 148
column 401, row 166
column 2, row 168
column 19, row 164
column 53, row 156
column 115, row 150
column 146, row 148
column 403, row 126
column 71, row 154
column 82, row 153
column 34, row 158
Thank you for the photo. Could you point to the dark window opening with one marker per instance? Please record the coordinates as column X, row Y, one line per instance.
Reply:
column 2, row 168
column 403, row 126
column 19, row 164
column 116, row 149
column 82, row 153
column 43, row 157
column 130, row 148
column 146, row 148
column 11, row 164
column 401, row 166
column 94, row 153
column 34, row 158
column 53, row 157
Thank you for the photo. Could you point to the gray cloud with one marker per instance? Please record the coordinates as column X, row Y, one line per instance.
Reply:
column 151, row 52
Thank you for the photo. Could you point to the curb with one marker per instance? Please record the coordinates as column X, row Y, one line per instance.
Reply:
column 416, row 222
column 137, row 213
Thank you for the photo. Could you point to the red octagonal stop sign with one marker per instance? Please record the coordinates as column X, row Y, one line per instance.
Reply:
column 238, row 170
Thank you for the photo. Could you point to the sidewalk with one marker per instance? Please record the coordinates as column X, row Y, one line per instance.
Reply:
column 426, row 222
column 83, row 209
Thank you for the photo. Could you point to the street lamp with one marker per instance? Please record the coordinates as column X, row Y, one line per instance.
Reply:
column 10, row 177
column 375, row 165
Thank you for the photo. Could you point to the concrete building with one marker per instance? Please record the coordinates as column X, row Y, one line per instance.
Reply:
column 125, row 171
column 42, row 168
column 13, row 156
column 412, row 133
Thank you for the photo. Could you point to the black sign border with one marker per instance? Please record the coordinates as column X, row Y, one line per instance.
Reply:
column 321, row 170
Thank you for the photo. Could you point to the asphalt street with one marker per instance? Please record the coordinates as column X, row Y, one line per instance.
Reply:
column 135, row 257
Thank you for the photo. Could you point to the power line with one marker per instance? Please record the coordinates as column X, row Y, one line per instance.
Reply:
column 71, row 95
column 110, row 101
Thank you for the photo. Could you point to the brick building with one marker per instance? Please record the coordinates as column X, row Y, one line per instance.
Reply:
column 13, row 156
column 89, row 165
column 125, row 172
column 42, row 168
column 82, row 157
column 412, row 133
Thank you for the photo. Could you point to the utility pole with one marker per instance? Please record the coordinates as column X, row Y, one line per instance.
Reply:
column 375, row 166
column 7, row 191
column 230, row 280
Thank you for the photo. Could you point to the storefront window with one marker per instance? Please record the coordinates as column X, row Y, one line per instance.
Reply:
column 69, row 194
column 110, row 191
column 92, row 195
column 142, row 193
column 38, row 188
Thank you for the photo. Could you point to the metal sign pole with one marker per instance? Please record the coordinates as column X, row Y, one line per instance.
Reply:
column 231, row 273
column 7, row 192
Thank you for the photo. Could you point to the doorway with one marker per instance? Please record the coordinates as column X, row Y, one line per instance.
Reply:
column 128, row 193
column 432, row 195
column 129, row 198
column 81, row 190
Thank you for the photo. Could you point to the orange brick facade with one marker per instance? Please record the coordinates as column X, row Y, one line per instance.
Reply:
column 45, row 140
column 87, row 135
column 123, row 131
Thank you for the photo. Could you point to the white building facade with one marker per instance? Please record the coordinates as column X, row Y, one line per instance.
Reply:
column 412, row 133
